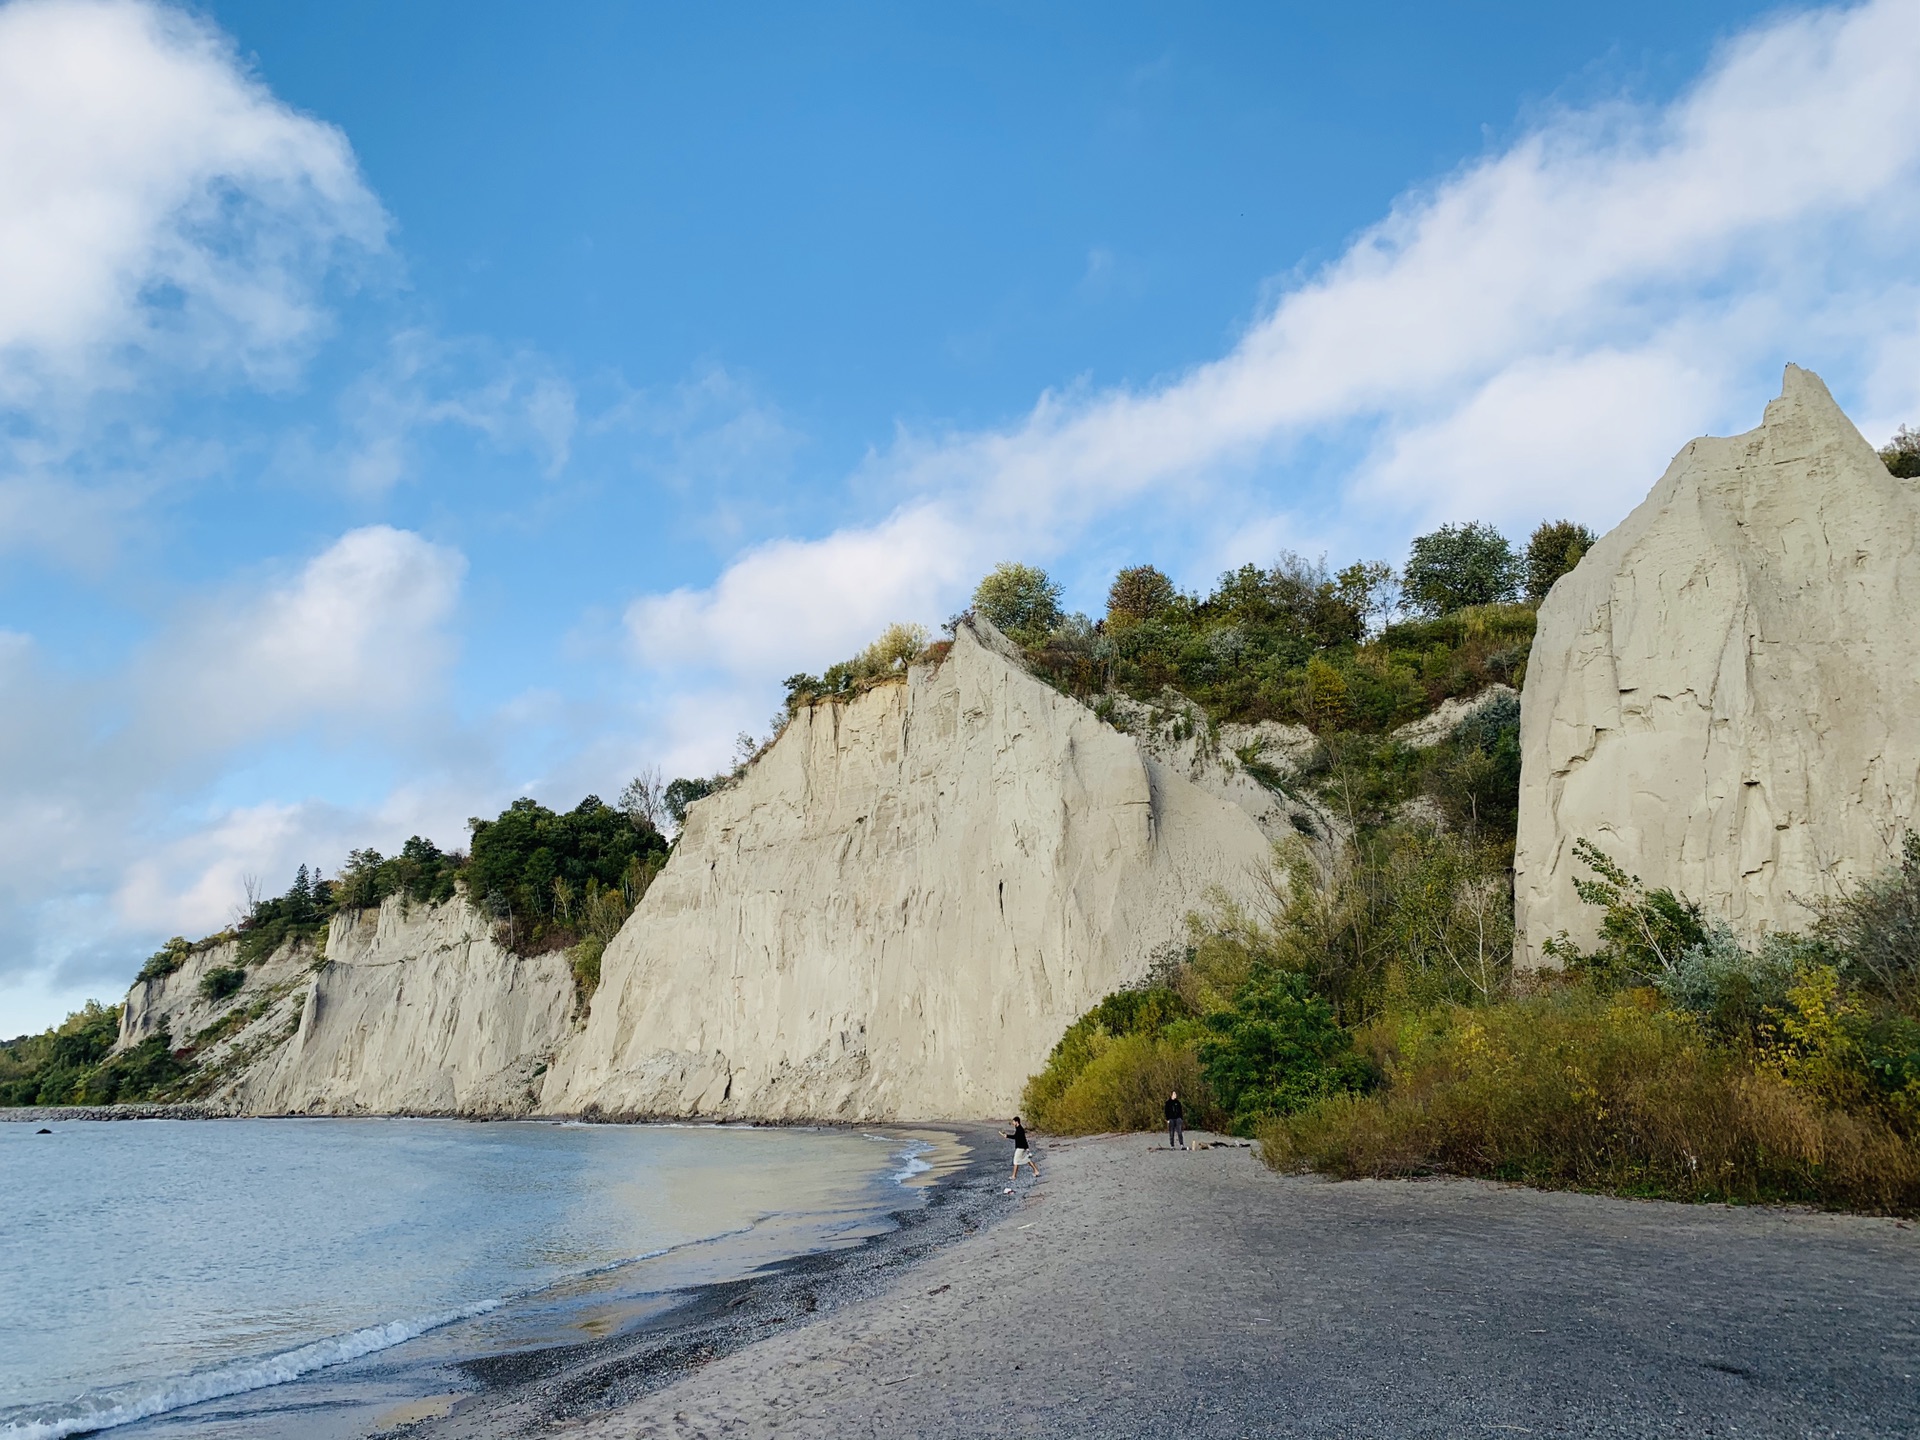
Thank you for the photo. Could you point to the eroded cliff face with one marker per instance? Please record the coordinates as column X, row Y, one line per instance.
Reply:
column 175, row 1003
column 407, row 1009
column 899, row 909
column 1724, row 695
column 1255, row 767
column 416, row 1011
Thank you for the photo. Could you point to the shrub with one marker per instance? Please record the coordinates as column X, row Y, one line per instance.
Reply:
column 1126, row 1012
column 1457, row 566
column 1021, row 600
column 1554, row 549
column 1475, row 778
column 1901, row 454
column 1875, row 931
column 887, row 658
column 584, row 959
column 1643, row 933
column 1730, row 988
column 1290, row 642
column 220, row 982
column 167, row 959
column 899, row 646
column 1123, row 1086
column 1571, row 1089
column 1116, row 1065
column 1277, row 1048
column 1404, row 913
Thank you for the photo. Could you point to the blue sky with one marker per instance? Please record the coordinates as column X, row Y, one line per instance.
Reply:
column 410, row 407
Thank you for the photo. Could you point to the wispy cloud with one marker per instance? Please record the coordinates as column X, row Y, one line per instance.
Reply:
column 157, row 204
column 167, row 228
column 518, row 403
column 103, row 776
column 1535, row 333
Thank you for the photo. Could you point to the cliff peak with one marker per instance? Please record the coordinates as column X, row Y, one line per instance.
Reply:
column 1722, row 695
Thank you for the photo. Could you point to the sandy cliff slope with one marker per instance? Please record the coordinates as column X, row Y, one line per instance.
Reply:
column 1725, row 694
column 901, row 906
column 417, row 1010
column 409, row 1008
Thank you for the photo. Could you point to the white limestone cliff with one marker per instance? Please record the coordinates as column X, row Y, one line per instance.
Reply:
column 1255, row 767
column 900, row 907
column 418, row 1011
column 175, row 1003
column 1724, row 695
column 406, row 1009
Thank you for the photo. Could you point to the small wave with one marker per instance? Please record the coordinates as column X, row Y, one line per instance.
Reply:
column 914, row 1164
column 122, row 1405
column 103, row 1410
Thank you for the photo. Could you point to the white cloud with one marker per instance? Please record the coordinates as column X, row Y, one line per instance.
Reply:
column 808, row 603
column 156, row 202
column 110, row 782
column 359, row 635
column 519, row 403
column 193, row 883
column 1537, row 332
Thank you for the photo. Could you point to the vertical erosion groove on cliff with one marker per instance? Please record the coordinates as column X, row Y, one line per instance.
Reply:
column 418, row 1010
column 899, row 909
column 412, row 1009
column 1725, row 694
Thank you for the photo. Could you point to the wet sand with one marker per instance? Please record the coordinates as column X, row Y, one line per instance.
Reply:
column 1139, row 1292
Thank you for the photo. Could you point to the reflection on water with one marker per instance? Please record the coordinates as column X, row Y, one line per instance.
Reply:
column 151, row 1266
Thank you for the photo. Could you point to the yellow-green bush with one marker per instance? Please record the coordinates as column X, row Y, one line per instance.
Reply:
column 1572, row 1089
column 1122, row 1086
column 584, row 959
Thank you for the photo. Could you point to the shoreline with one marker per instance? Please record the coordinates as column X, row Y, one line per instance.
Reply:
column 1143, row 1292
column 642, row 1330
column 527, row 1391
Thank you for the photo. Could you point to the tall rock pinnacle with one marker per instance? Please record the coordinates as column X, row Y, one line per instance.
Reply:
column 1724, row 696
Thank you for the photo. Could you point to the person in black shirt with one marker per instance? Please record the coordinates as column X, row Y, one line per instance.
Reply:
column 1021, row 1154
column 1176, row 1123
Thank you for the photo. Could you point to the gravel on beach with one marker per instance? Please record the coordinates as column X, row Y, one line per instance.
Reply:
column 1136, row 1291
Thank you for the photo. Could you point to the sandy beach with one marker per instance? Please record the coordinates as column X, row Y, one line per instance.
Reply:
column 1139, row 1292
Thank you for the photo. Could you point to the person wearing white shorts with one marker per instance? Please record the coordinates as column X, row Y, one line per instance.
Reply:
column 1022, row 1154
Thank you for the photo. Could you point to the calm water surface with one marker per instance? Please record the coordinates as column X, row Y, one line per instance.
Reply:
column 299, row 1271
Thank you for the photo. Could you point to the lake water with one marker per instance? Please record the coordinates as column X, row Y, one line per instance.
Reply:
column 300, row 1277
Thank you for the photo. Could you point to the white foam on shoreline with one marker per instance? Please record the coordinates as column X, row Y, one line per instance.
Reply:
column 119, row 1405
column 103, row 1410
column 124, row 1404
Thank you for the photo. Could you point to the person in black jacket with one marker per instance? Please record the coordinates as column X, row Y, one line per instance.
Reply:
column 1022, row 1155
column 1176, row 1123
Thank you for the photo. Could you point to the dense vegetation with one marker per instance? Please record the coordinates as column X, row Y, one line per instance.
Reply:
column 70, row 1066
column 1291, row 642
column 1669, row 1060
column 886, row 659
column 1367, row 1021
